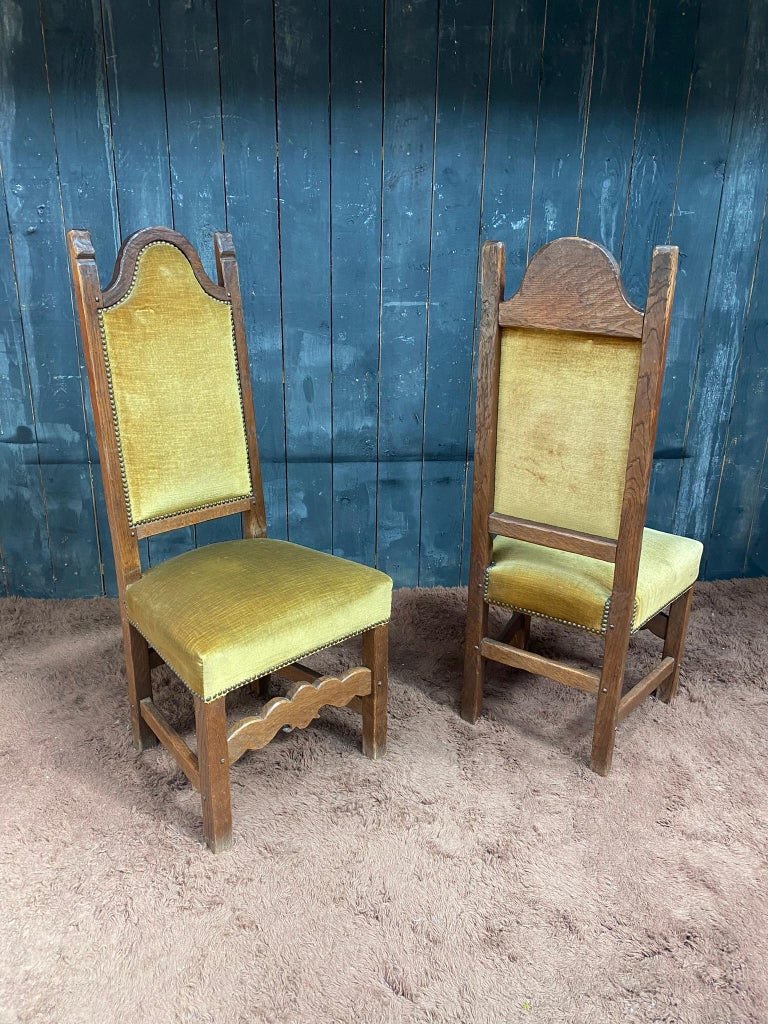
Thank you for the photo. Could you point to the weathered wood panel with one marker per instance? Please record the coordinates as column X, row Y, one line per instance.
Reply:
column 359, row 153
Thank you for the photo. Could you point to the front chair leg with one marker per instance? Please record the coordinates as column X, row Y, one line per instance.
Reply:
column 374, row 706
column 213, row 762
column 139, row 677
column 674, row 643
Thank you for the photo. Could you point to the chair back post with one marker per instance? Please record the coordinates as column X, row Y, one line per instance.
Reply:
column 88, row 296
column 645, row 417
column 492, row 262
column 254, row 519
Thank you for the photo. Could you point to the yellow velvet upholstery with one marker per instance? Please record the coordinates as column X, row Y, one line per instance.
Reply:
column 170, row 354
column 577, row 589
column 227, row 613
column 565, row 413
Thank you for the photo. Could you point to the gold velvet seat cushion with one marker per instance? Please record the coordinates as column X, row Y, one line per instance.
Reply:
column 577, row 589
column 231, row 612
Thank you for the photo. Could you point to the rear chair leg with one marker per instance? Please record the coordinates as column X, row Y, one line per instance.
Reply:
column 609, row 695
column 213, row 761
column 474, row 663
column 139, row 684
column 674, row 643
column 374, row 706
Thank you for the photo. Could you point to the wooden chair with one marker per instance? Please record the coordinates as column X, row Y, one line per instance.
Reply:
column 569, row 384
column 168, row 374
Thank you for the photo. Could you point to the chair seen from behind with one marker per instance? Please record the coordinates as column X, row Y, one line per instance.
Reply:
column 568, row 393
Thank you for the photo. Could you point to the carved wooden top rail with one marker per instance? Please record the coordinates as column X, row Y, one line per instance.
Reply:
column 590, row 296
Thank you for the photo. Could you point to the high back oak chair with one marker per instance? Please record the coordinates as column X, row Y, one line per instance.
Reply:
column 569, row 384
column 168, row 374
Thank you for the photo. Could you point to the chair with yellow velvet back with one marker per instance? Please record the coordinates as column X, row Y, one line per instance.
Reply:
column 569, row 385
column 167, row 366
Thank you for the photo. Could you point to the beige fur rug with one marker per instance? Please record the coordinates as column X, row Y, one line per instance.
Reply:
column 474, row 875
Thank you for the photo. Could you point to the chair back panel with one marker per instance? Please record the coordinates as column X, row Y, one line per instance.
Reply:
column 171, row 361
column 564, row 423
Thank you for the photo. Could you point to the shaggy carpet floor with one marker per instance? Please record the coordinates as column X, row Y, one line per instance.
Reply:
column 476, row 874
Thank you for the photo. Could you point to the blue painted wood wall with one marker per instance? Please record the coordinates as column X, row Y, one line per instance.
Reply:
column 359, row 151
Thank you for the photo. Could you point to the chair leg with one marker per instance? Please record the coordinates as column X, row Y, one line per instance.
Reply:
column 260, row 687
column 139, row 684
column 608, row 697
column 474, row 663
column 522, row 637
column 213, row 761
column 374, row 706
column 674, row 643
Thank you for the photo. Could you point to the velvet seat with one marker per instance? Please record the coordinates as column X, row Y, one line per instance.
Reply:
column 228, row 613
column 576, row 589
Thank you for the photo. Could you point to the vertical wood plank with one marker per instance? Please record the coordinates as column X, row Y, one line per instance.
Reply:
column 408, row 153
column 517, row 40
column 566, row 80
column 193, row 106
column 74, row 48
column 667, row 70
column 730, row 287
column 302, row 66
column 28, row 157
column 459, row 144
column 738, row 493
column 610, row 132
column 134, row 53
column 356, row 139
column 24, row 540
column 717, row 68
column 250, row 157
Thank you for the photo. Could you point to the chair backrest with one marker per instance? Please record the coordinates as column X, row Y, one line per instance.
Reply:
column 168, row 372
column 569, row 386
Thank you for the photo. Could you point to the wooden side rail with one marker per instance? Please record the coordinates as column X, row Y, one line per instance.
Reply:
column 658, row 625
column 297, row 710
column 552, row 537
column 173, row 743
column 587, row 682
column 647, row 685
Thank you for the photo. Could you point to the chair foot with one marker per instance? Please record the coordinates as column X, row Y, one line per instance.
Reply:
column 674, row 643
column 213, row 762
column 474, row 681
column 139, row 678
column 374, row 706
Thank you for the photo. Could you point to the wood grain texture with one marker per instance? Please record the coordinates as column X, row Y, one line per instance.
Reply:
column 552, row 537
column 717, row 68
column 656, row 678
column 486, row 424
column 356, row 112
column 213, row 761
column 373, row 705
column 462, row 75
column 674, row 642
column 586, row 280
column 35, row 216
column 634, row 124
column 410, row 84
column 249, row 138
column 297, row 711
column 302, row 77
column 587, row 682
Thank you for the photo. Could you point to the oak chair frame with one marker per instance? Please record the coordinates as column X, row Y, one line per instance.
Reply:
column 573, row 285
column 362, row 689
